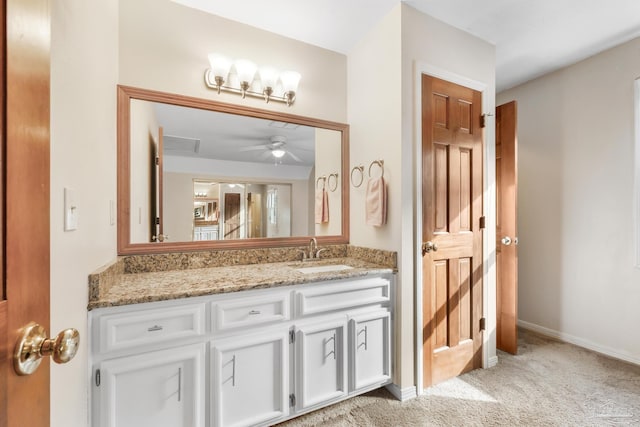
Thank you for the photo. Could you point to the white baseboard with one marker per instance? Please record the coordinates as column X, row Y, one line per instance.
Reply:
column 402, row 394
column 493, row 361
column 580, row 342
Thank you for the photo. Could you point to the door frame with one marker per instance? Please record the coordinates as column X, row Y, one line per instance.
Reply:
column 489, row 200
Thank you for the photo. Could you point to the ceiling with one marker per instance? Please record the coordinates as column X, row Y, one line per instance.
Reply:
column 532, row 37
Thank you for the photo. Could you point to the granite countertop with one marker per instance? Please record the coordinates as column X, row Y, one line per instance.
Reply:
column 133, row 288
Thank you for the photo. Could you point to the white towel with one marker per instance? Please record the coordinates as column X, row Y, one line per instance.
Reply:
column 376, row 202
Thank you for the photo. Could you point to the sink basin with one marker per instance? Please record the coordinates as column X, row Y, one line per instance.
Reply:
column 323, row 268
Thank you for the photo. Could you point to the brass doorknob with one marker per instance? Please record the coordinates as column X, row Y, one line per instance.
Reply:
column 33, row 345
column 428, row 247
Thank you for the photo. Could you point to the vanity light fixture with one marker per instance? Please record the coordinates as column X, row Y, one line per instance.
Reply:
column 245, row 78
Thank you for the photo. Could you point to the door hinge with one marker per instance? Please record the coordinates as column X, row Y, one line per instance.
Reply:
column 292, row 400
column 292, row 336
column 483, row 222
column 483, row 119
column 97, row 377
column 483, row 324
column 157, row 220
column 157, row 161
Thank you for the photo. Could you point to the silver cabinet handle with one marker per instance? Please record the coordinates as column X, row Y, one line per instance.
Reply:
column 154, row 328
column 333, row 338
column 366, row 338
column 233, row 371
column 254, row 312
column 179, row 384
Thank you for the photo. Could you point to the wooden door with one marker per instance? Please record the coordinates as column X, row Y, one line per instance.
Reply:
column 452, row 240
column 24, row 293
column 506, row 228
column 232, row 216
column 254, row 226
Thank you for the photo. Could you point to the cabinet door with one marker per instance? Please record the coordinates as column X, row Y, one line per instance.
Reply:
column 321, row 363
column 162, row 388
column 369, row 346
column 250, row 379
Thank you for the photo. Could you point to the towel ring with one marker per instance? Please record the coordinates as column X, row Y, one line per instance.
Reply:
column 379, row 163
column 335, row 186
column 361, row 170
column 324, row 181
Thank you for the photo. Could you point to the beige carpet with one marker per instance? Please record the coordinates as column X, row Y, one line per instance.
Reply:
column 548, row 383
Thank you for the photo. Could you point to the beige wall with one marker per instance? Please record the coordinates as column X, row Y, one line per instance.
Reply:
column 84, row 71
column 169, row 53
column 382, row 94
column 576, row 219
column 144, row 146
column 328, row 153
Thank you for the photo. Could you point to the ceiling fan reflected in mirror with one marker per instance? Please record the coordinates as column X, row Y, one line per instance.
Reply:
column 275, row 148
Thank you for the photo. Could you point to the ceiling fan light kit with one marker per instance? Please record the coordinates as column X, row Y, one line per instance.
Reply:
column 245, row 78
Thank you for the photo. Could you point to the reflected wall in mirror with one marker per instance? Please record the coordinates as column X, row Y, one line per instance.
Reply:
column 199, row 174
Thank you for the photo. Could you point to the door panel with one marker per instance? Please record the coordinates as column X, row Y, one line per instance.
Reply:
column 24, row 400
column 232, row 216
column 452, row 207
column 321, row 360
column 506, row 225
column 250, row 380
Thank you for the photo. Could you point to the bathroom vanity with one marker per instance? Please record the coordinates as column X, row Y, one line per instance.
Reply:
column 239, row 345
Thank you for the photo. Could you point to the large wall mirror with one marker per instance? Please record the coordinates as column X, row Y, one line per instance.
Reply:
column 195, row 174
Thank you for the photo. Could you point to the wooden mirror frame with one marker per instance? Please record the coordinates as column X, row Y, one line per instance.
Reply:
column 125, row 247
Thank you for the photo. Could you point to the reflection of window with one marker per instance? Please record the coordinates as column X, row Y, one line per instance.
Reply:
column 272, row 206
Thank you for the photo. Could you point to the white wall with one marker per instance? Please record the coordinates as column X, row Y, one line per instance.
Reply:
column 576, row 253
column 382, row 114
column 84, row 71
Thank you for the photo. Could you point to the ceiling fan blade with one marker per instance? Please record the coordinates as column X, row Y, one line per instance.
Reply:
column 253, row 147
column 296, row 158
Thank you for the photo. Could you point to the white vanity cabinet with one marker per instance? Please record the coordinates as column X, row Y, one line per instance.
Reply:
column 370, row 349
column 163, row 388
column 321, row 363
column 248, row 358
column 250, row 379
column 149, row 365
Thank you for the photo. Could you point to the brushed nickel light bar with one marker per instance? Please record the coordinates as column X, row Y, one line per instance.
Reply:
column 245, row 79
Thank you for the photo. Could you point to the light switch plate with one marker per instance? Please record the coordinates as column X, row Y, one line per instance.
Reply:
column 70, row 210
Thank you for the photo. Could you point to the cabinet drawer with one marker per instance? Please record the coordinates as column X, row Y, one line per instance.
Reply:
column 342, row 295
column 125, row 330
column 239, row 312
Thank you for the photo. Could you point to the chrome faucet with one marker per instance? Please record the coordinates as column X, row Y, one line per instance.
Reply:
column 312, row 253
column 313, row 246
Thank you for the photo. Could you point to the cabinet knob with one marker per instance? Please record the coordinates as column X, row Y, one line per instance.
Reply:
column 33, row 345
